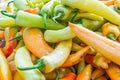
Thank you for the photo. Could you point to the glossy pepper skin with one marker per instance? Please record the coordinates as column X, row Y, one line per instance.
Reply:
column 22, row 58
column 26, row 19
column 6, row 21
column 113, row 71
column 34, row 41
column 94, row 6
column 97, row 41
column 21, row 4
column 111, row 31
column 5, row 73
column 8, row 49
column 86, row 73
column 54, row 60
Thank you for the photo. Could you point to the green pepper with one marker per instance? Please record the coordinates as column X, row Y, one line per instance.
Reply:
column 23, row 59
column 21, row 4
column 25, row 19
column 87, row 15
column 6, row 21
column 94, row 6
column 61, row 12
column 81, row 66
column 92, row 25
column 54, row 60
column 101, row 61
column 59, row 35
column 47, row 9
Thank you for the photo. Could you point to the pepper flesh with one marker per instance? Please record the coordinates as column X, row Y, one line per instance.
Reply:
column 110, row 50
column 94, row 6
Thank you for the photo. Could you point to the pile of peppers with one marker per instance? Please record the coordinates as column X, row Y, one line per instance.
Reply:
column 60, row 40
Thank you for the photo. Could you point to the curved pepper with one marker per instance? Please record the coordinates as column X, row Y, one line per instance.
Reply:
column 111, row 31
column 85, row 74
column 81, row 66
column 76, row 57
column 110, row 50
column 92, row 24
column 5, row 73
column 61, row 12
column 6, row 21
column 87, row 15
column 94, row 6
column 97, row 73
column 101, row 61
column 23, row 59
column 54, row 60
column 69, row 76
column 25, row 19
column 113, row 71
column 59, row 35
column 8, row 49
column 76, row 47
column 34, row 41
column 47, row 10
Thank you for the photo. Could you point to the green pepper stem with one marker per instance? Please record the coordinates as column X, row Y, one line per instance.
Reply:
column 117, row 9
column 44, row 17
column 73, row 69
column 40, row 65
column 57, row 16
column 10, row 2
column 111, row 36
column 2, row 29
column 57, row 75
column 75, row 14
column 17, row 36
column 4, row 12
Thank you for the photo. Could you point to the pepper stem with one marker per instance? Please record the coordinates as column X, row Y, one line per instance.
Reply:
column 73, row 69
column 10, row 2
column 56, row 17
column 57, row 75
column 4, row 12
column 72, row 20
column 2, row 29
column 17, row 36
column 44, row 17
column 117, row 9
column 40, row 65
column 111, row 36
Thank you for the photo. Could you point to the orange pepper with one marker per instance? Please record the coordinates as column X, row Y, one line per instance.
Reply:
column 85, row 74
column 69, row 76
column 76, row 57
column 108, row 48
column 113, row 71
column 5, row 73
column 34, row 41
column 108, row 2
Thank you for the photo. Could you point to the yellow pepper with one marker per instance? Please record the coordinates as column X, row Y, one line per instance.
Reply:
column 111, row 31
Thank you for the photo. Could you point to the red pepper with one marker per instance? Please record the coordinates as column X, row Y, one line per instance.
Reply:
column 89, row 59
